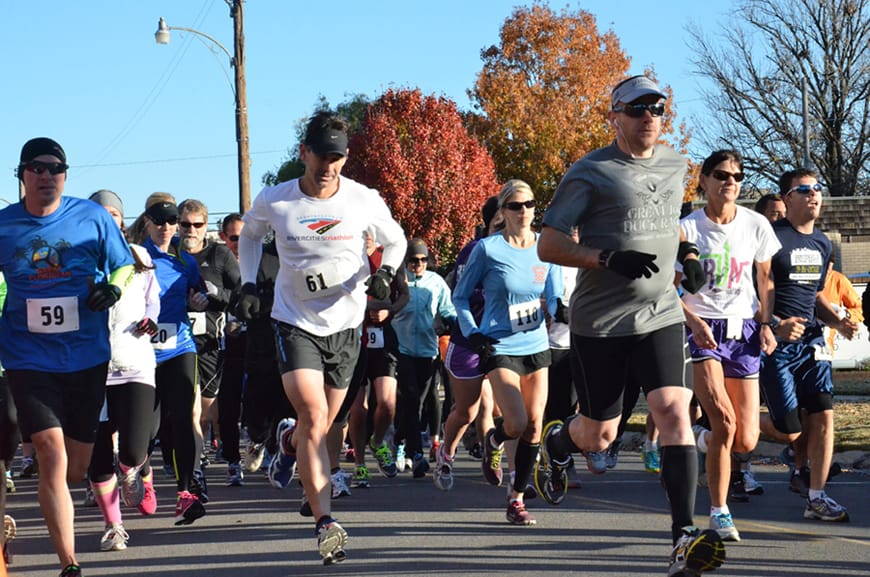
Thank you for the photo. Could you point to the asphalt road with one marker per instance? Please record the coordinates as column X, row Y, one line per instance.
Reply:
column 616, row 524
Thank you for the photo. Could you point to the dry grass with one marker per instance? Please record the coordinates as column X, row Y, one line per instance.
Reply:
column 851, row 416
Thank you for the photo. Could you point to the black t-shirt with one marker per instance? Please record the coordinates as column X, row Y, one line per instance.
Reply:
column 798, row 270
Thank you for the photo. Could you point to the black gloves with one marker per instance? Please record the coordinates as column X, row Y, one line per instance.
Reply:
column 146, row 327
column 693, row 274
column 102, row 296
column 249, row 303
column 562, row 312
column 629, row 263
column 483, row 346
column 379, row 284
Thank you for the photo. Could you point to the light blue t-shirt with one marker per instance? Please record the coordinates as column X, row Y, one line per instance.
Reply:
column 50, row 263
column 514, row 280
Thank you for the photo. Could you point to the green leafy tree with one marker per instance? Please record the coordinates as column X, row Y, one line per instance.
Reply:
column 432, row 174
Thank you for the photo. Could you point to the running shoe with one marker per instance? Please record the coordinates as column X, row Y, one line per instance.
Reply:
column 114, row 538
column 305, row 506
column 750, row 483
column 89, row 500
column 71, row 571
column 529, row 493
column 10, row 529
column 518, row 515
column 203, row 461
column 433, row 451
column 199, row 487
column 573, row 475
column 651, row 462
column 419, row 466
column 168, row 471
column 339, row 485
column 148, row 506
column 551, row 478
column 611, row 455
column 283, row 465
column 254, row 456
column 786, row 457
column 825, row 509
column 29, row 468
column 401, row 461
column 132, row 489
column 799, row 482
column 736, row 489
column 219, row 452
column 384, row 456
column 331, row 540
column 362, row 479
column 349, row 454
column 188, row 508
column 491, row 464
column 724, row 525
column 476, row 451
column 443, row 475
column 596, row 462
column 235, row 476
column 10, row 484
column 696, row 552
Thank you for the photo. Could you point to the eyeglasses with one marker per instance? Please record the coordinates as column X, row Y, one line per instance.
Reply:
column 38, row 167
column 806, row 188
column 172, row 221
column 188, row 224
column 724, row 175
column 416, row 260
column 637, row 110
column 517, row 206
column 233, row 238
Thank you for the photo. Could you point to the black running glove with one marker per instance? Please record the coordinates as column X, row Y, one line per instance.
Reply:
column 631, row 263
column 146, row 327
column 562, row 311
column 693, row 275
column 379, row 284
column 483, row 345
column 249, row 303
column 102, row 296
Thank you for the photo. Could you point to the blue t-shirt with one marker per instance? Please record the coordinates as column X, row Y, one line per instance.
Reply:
column 798, row 270
column 176, row 274
column 475, row 301
column 514, row 281
column 50, row 263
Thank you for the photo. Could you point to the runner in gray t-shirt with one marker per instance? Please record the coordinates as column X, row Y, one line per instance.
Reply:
column 625, row 313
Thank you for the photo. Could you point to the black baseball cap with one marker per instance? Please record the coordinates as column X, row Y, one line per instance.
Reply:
column 327, row 141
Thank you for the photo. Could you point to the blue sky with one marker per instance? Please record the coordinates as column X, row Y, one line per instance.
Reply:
column 137, row 117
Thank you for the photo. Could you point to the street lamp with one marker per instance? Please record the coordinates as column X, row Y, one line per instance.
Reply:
column 237, row 62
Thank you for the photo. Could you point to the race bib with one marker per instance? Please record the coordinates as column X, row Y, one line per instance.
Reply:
column 315, row 283
column 53, row 315
column 375, row 337
column 822, row 353
column 734, row 328
column 525, row 316
column 197, row 322
column 166, row 337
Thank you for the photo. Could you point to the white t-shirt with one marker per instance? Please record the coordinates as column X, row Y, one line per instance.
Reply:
column 320, row 286
column 560, row 333
column 728, row 255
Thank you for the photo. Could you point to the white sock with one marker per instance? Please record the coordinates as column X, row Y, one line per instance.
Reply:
column 816, row 494
column 723, row 510
column 702, row 441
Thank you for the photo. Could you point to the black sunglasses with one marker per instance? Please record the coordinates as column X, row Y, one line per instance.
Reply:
column 724, row 175
column 233, row 238
column 637, row 110
column 806, row 188
column 415, row 260
column 38, row 167
column 172, row 220
column 188, row 224
column 515, row 205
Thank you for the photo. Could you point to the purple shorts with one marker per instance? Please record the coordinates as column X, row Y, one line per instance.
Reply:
column 740, row 358
column 462, row 362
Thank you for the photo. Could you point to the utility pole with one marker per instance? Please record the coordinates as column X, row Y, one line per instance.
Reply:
column 244, row 157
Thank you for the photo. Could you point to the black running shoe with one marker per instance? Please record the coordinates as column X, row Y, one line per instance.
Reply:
column 551, row 476
column 696, row 552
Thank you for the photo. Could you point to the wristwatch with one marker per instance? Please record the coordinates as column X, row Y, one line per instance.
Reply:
column 604, row 258
column 772, row 323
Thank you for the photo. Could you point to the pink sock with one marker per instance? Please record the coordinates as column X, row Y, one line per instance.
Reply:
column 107, row 498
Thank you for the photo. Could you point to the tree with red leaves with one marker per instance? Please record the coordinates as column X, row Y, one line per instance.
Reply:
column 432, row 174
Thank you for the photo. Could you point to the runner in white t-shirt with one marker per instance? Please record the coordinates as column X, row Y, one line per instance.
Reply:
column 320, row 300
column 724, row 336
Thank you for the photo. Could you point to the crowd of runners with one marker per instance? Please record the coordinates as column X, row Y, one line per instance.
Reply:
column 318, row 332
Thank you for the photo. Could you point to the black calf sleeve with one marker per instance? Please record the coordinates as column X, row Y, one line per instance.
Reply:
column 525, row 459
column 680, row 479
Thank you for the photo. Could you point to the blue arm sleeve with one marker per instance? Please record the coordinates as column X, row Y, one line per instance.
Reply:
column 472, row 274
column 553, row 288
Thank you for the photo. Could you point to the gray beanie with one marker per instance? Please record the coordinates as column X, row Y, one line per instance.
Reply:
column 108, row 198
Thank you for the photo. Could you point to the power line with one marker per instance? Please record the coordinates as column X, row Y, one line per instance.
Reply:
column 166, row 160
